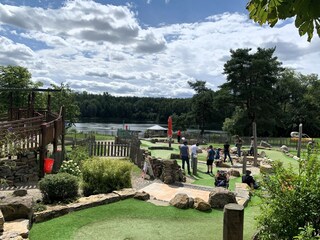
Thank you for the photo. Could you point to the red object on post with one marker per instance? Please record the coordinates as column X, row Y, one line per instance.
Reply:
column 170, row 127
column 48, row 164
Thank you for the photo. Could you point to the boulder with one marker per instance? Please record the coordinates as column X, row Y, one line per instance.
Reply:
column 233, row 150
column 20, row 192
column 266, row 169
column 174, row 156
column 142, row 196
column 265, row 144
column 191, row 202
column 234, row 173
column 181, row 200
column 201, row 205
column 262, row 154
column 296, row 158
column 220, row 196
column 284, row 149
column 17, row 207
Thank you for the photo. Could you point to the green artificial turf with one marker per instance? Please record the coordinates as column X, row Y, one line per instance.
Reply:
column 134, row 219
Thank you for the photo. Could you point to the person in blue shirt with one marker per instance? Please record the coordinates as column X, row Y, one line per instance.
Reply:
column 210, row 158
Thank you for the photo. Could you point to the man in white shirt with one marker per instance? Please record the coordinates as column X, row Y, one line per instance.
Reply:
column 194, row 160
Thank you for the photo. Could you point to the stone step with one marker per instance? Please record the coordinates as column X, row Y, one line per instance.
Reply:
column 17, row 229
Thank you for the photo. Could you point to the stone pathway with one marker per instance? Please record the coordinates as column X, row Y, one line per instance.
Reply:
column 165, row 192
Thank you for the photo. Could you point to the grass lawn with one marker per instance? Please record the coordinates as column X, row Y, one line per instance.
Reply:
column 134, row 219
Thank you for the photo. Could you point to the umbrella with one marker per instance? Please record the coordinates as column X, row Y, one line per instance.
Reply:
column 170, row 127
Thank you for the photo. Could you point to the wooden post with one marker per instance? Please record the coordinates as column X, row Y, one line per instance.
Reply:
column 43, row 150
column 255, row 148
column 244, row 162
column 299, row 141
column 55, row 137
column 63, row 147
column 170, row 142
column 233, row 215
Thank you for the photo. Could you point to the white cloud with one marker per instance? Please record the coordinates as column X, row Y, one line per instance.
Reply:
column 102, row 48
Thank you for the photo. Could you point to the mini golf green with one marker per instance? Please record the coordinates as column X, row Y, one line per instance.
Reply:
column 134, row 219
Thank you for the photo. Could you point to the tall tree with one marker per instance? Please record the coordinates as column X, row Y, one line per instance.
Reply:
column 67, row 98
column 202, row 103
column 251, row 78
column 14, row 77
column 306, row 13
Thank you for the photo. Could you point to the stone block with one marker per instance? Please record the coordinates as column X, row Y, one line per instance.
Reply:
column 180, row 200
column 201, row 205
column 142, row 196
column 1, row 221
column 125, row 193
column 267, row 169
column 15, row 229
column 17, row 207
column 220, row 196
column 48, row 214
column 101, row 198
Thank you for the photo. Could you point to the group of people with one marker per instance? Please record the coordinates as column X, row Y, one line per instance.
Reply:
column 212, row 155
column 221, row 177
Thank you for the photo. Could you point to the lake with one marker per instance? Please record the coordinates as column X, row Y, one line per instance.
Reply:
column 111, row 128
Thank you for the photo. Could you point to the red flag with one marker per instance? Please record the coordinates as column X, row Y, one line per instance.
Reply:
column 170, row 127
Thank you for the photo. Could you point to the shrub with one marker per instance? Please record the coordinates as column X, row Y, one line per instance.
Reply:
column 60, row 187
column 70, row 167
column 105, row 175
column 79, row 154
column 39, row 207
column 291, row 199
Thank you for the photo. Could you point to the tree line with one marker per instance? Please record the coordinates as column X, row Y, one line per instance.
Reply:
column 257, row 89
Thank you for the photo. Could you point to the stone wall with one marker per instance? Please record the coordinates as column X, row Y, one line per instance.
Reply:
column 22, row 169
column 167, row 171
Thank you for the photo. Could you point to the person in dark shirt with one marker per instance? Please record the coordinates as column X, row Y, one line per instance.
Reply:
column 226, row 151
column 184, row 154
column 210, row 158
column 248, row 179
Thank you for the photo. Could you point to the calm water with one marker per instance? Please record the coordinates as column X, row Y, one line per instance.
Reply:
column 111, row 128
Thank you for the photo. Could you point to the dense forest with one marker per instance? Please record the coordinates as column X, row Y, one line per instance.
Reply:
column 130, row 109
column 257, row 89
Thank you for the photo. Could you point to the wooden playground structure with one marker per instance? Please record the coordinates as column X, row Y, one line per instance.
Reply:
column 34, row 129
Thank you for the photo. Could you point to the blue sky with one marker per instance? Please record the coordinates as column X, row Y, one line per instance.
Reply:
column 142, row 47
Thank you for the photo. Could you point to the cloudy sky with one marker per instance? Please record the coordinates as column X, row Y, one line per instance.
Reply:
column 139, row 47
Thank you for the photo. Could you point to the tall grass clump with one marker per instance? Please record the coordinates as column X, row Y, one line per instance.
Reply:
column 105, row 175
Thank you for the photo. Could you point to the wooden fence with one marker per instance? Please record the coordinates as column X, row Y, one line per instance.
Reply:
column 109, row 149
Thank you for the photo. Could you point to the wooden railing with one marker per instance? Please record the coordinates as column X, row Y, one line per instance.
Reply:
column 118, row 149
column 109, row 149
column 34, row 133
